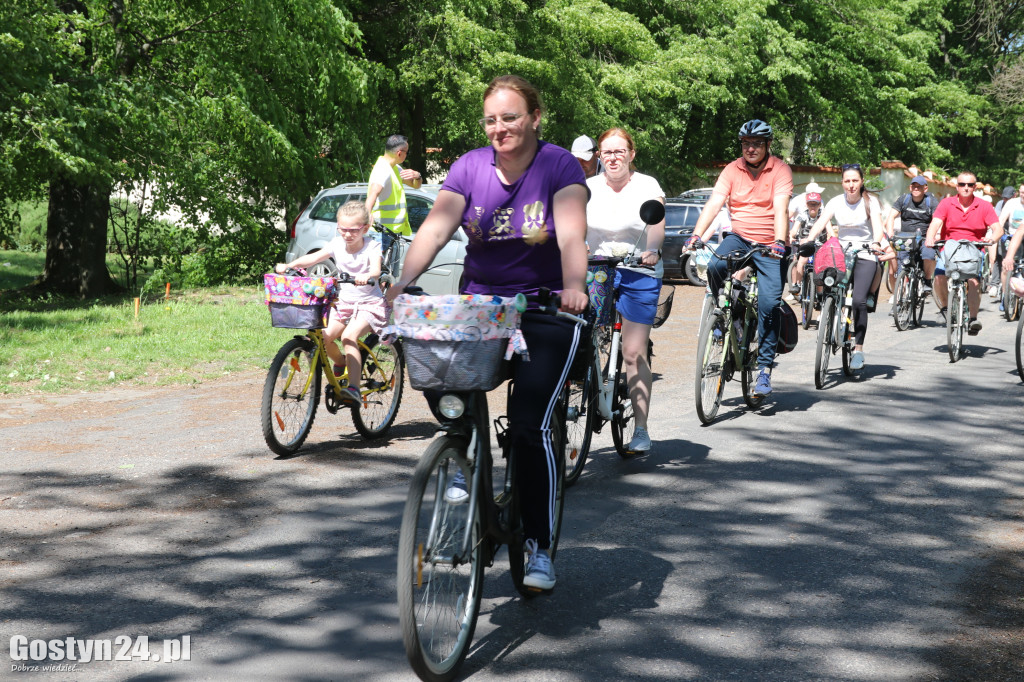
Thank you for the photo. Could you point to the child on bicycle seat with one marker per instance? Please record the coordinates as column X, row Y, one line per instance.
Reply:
column 359, row 307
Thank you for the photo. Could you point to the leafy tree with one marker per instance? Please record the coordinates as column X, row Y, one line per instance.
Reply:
column 229, row 109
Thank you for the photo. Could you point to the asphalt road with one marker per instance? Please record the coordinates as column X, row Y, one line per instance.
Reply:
column 826, row 536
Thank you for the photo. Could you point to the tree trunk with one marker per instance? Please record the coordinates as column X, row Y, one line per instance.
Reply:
column 76, row 239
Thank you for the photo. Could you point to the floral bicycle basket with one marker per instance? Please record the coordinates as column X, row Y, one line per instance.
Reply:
column 456, row 343
column 298, row 302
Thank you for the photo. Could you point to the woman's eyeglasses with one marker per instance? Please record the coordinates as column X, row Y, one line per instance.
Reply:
column 613, row 153
column 350, row 230
column 966, row 184
column 507, row 119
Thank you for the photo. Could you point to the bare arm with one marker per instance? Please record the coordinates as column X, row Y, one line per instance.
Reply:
column 304, row 261
column 655, row 238
column 570, row 214
column 372, row 192
column 434, row 233
column 933, row 232
column 1011, row 250
column 781, row 206
column 890, row 222
column 411, row 177
column 707, row 216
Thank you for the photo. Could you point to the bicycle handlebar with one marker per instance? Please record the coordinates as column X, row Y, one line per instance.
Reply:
column 548, row 302
column 341, row 277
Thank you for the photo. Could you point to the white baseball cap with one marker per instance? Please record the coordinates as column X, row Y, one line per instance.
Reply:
column 583, row 147
column 814, row 187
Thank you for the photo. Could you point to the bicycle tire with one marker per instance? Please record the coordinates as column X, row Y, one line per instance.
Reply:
column 807, row 296
column 291, row 393
column 920, row 298
column 955, row 323
column 1011, row 304
column 748, row 375
column 580, row 400
column 709, row 380
column 516, row 548
column 623, row 419
column 823, row 352
column 383, row 380
column 1020, row 347
column 902, row 305
column 438, row 599
column 846, row 339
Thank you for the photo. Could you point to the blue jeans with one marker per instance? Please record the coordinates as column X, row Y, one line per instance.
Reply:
column 770, row 276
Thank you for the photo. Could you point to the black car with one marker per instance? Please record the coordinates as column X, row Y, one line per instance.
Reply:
column 680, row 219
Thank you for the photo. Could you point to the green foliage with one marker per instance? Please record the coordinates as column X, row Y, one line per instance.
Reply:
column 192, row 336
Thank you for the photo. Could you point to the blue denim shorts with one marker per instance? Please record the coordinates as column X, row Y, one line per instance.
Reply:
column 638, row 295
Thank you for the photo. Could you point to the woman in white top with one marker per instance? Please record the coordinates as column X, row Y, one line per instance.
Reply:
column 614, row 227
column 858, row 222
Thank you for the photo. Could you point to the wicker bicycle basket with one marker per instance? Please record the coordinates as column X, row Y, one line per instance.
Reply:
column 455, row 343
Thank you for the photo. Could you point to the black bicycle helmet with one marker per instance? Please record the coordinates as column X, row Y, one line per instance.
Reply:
column 756, row 128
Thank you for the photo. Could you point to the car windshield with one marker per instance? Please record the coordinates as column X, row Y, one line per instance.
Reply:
column 681, row 216
column 327, row 207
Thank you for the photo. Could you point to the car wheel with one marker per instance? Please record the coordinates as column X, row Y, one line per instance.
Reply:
column 690, row 271
column 325, row 268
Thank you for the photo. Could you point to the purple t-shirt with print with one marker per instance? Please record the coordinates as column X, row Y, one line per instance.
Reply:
column 512, row 245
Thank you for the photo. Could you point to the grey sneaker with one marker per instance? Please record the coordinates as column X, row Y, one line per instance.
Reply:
column 641, row 442
column 973, row 327
column 540, row 572
column 857, row 360
column 458, row 491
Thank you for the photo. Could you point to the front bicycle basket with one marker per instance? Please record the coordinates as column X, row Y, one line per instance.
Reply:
column 298, row 302
column 456, row 343
column 665, row 297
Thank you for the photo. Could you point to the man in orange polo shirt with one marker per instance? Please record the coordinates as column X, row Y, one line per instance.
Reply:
column 963, row 216
column 757, row 186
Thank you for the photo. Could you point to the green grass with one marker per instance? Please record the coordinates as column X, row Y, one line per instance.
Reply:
column 59, row 346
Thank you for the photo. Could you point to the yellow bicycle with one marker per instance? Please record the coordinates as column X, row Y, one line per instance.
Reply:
column 292, row 389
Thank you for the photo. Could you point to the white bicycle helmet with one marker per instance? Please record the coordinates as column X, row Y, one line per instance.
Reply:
column 756, row 128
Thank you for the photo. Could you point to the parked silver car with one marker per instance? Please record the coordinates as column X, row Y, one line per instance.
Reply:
column 317, row 225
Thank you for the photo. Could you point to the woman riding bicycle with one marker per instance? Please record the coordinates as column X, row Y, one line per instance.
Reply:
column 522, row 202
column 859, row 220
column 613, row 216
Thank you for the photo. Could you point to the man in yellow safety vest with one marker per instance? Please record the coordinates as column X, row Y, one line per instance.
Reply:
column 385, row 198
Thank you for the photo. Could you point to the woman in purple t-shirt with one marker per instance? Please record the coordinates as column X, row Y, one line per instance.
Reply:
column 522, row 202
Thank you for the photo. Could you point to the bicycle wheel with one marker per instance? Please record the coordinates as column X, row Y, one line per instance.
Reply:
column 902, row 306
column 1020, row 348
column 580, row 406
column 955, row 323
column 291, row 393
column 845, row 335
column 1011, row 304
column 623, row 419
column 917, row 297
column 383, row 378
column 807, row 294
column 823, row 352
column 709, row 380
column 748, row 378
column 439, row 582
column 516, row 548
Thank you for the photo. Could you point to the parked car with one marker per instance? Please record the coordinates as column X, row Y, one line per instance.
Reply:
column 693, row 196
column 680, row 219
column 317, row 225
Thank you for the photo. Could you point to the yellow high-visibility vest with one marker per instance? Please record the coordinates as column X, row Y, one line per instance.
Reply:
column 393, row 213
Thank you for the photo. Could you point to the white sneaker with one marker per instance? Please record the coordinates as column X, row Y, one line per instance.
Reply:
column 891, row 298
column 788, row 297
column 993, row 291
column 540, row 572
column 641, row 442
column 458, row 491
column 857, row 361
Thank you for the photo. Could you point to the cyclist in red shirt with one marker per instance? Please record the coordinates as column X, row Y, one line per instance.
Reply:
column 963, row 216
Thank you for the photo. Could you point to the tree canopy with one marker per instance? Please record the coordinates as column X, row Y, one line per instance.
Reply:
column 233, row 110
